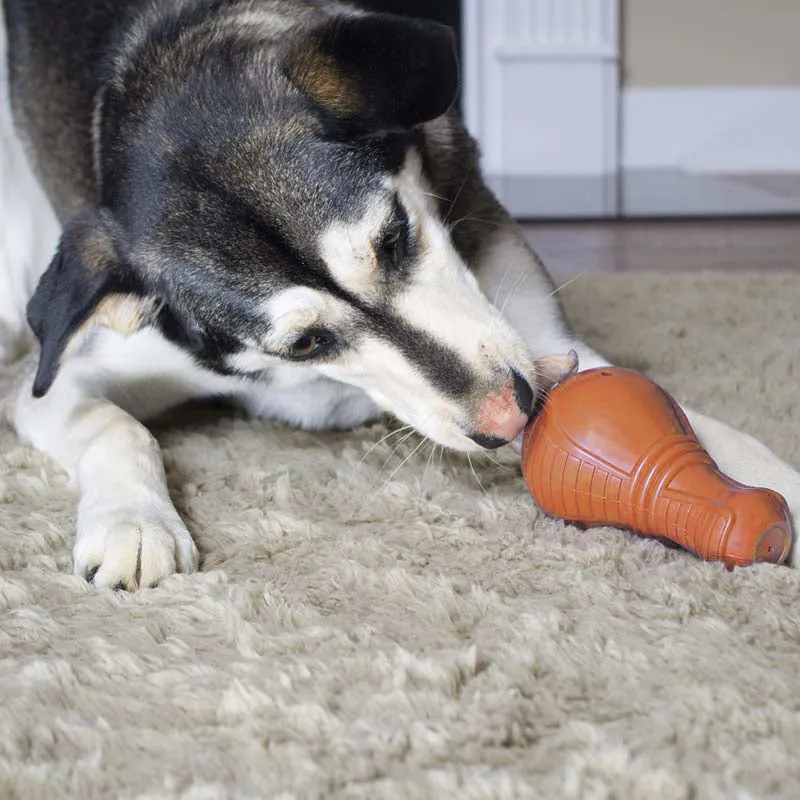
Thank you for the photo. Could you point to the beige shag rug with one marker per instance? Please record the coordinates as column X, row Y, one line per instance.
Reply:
column 444, row 640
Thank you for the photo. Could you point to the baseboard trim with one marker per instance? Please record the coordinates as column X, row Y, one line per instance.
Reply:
column 712, row 129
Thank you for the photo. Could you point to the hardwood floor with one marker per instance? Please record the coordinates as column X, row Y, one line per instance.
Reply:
column 667, row 246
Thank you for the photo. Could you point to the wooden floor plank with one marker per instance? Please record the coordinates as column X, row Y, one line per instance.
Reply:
column 670, row 246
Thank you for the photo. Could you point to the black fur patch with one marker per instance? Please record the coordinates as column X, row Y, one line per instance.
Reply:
column 442, row 367
column 210, row 347
column 377, row 72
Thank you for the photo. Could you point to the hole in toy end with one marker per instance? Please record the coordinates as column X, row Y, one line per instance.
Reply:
column 773, row 546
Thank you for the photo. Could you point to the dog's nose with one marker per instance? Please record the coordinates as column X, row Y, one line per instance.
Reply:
column 523, row 393
column 503, row 415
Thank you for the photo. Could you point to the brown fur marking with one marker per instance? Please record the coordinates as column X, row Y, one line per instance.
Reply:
column 96, row 248
column 322, row 79
column 123, row 313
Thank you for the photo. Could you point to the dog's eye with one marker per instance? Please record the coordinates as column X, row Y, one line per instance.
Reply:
column 306, row 345
column 309, row 344
column 393, row 247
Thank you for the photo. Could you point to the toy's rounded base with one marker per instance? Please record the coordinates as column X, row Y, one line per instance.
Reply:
column 773, row 546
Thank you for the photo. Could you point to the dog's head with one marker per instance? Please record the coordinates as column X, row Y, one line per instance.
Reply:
column 266, row 197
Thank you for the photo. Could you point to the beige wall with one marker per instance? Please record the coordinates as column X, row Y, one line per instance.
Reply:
column 711, row 42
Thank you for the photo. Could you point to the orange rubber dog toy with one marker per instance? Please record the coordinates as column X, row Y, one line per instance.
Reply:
column 610, row 447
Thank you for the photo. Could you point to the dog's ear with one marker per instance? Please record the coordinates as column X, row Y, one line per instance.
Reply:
column 86, row 286
column 378, row 72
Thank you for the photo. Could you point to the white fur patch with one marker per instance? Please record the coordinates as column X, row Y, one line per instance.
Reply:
column 444, row 298
column 349, row 250
column 303, row 397
column 397, row 385
column 292, row 311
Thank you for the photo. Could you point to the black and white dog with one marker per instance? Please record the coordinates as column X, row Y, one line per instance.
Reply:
column 271, row 201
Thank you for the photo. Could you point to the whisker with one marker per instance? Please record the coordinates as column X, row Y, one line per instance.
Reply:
column 496, row 462
column 411, row 431
column 480, row 221
column 475, row 474
column 500, row 285
column 436, row 196
column 452, row 225
column 378, row 443
column 524, row 277
column 567, row 283
column 428, row 463
column 394, row 449
column 400, row 465
column 458, row 194
column 374, row 494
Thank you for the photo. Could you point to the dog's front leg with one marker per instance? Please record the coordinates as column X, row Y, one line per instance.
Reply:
column 129, row 534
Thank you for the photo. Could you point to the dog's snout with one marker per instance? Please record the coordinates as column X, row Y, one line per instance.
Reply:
column 504, row 414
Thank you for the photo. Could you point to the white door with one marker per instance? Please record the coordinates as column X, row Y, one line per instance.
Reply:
column 541, row 94
column 562, row 137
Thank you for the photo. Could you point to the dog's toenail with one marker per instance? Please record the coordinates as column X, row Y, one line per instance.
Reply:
column 121, row 587
column 91, row 573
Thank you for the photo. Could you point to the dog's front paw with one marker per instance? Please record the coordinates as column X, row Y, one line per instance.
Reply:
column 123, row 549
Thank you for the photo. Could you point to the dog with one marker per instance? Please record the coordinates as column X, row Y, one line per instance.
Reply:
column 272, row 202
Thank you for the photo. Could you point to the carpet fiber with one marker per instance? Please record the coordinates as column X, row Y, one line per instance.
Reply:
column 362, row 629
